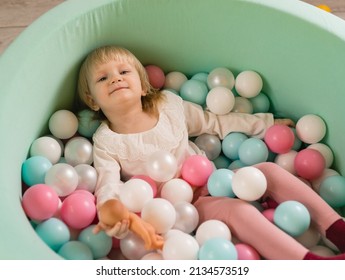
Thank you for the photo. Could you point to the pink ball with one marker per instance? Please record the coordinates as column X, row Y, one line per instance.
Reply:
column 40, row 202
column 279, row 138
column 309, row 164
column 196, row 169
column 78, row 211
column 246, row 252
column 269, row 214
column 156, row 76
column 148, row 180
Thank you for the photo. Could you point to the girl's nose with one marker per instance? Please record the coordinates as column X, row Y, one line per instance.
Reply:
column 116, row 79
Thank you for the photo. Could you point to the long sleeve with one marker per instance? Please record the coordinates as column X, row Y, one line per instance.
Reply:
column 200, row 121
column 109, row 178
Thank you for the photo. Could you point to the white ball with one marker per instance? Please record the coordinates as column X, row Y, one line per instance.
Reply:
column 161, row 166
column 135, row 193
column 87, row 175
column 249, row 183
column 174, row 80
column 160, row 213
column 180, row 247
column 63, row 178
column 63, row 124
column 78, row 150
column 287, row 161
column 310, row 129
column 242, row 105
column 176, row 190
column 325, row 151
column 211, row 229
column 248, row 84
column 47, row 147
column 220, row 100
column 221, row 77
column 187, row 217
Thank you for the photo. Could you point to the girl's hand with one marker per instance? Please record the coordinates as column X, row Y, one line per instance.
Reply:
column 287, row 122
column 119, row 230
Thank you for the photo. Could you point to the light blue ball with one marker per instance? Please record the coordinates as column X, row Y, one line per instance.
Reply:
column 221, row 161
column 332, row 190
column 100, row 243
column 220, row 183
column 217, row 249
column 253, row 151
column 236, row 164
column 292, row 217
column 53, row 232
column 87, row 124
column 231, row 143
column 202, row 77
column 34, row 170
column 194, row 91
column 75, row 250
column 261, row 103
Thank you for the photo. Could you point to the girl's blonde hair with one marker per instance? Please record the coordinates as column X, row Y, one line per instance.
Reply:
column 107, row 53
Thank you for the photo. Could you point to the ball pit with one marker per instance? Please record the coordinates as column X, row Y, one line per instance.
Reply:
column 72, row 29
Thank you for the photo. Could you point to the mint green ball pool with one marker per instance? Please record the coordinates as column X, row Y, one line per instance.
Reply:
column 297, row 49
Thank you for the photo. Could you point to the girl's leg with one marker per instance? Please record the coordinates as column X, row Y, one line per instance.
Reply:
column 250, row 226
column 282, row 186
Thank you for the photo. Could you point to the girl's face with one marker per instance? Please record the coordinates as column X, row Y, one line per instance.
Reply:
column 113, row 84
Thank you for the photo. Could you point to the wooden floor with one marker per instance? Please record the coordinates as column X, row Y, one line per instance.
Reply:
column 16, row 15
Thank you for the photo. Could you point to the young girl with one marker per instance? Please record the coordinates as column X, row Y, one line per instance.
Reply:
column 139, row 120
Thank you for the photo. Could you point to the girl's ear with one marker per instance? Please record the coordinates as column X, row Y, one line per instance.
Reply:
column 91, row 103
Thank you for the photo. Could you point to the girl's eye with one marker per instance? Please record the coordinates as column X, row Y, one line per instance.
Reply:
column 124, row 72
column 102, row 79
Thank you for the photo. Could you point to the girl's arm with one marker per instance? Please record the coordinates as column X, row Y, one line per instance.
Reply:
column 200, row 121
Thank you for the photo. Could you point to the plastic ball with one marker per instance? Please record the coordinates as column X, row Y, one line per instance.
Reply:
column 202, row 77
column 220, row 100
column 236, row 164
column 321, row 250
column 78, row 211
column 156, row 76
column 248, row 84
column 332, row 190
column 287, row 161
column 221, row 162
column 210, row 144
column 326, row 152
column 269, row 214
column 180, row 247
column 148, row 180
column 100, row 243
column 246, row 252
column 253, row 151
column 133, row 247
column 212, row 229
column 187, row 217
column 176, row 190
column 231, row 144
column 78, row 150
column 63, row 124
column 260, row 103
column 242, row 105
column 310, row 238
column 47, row 147
column 75, row 250
column 220, row 183
column 196, row 169
column 53, row 232
column 161, row 166
column 87, row 177
column 292, row 217
column 34, row 170
column 63, row 178
column 326, row 173
column 249, row 183
column 40, row 202
column 153, row 256
column 174, row 80
column 221, row 77
column 217, row 249
column 135, row 193
column 87, row 124
column 160, row 213
column 311, row 129
column 279, row 138
column 297, row 143
column 194, row 91
column 309, row 164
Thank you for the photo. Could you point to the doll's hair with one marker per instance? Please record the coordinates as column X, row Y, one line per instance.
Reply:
column 107, row 53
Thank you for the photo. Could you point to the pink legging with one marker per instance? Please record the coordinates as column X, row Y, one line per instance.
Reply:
column 251, row 227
